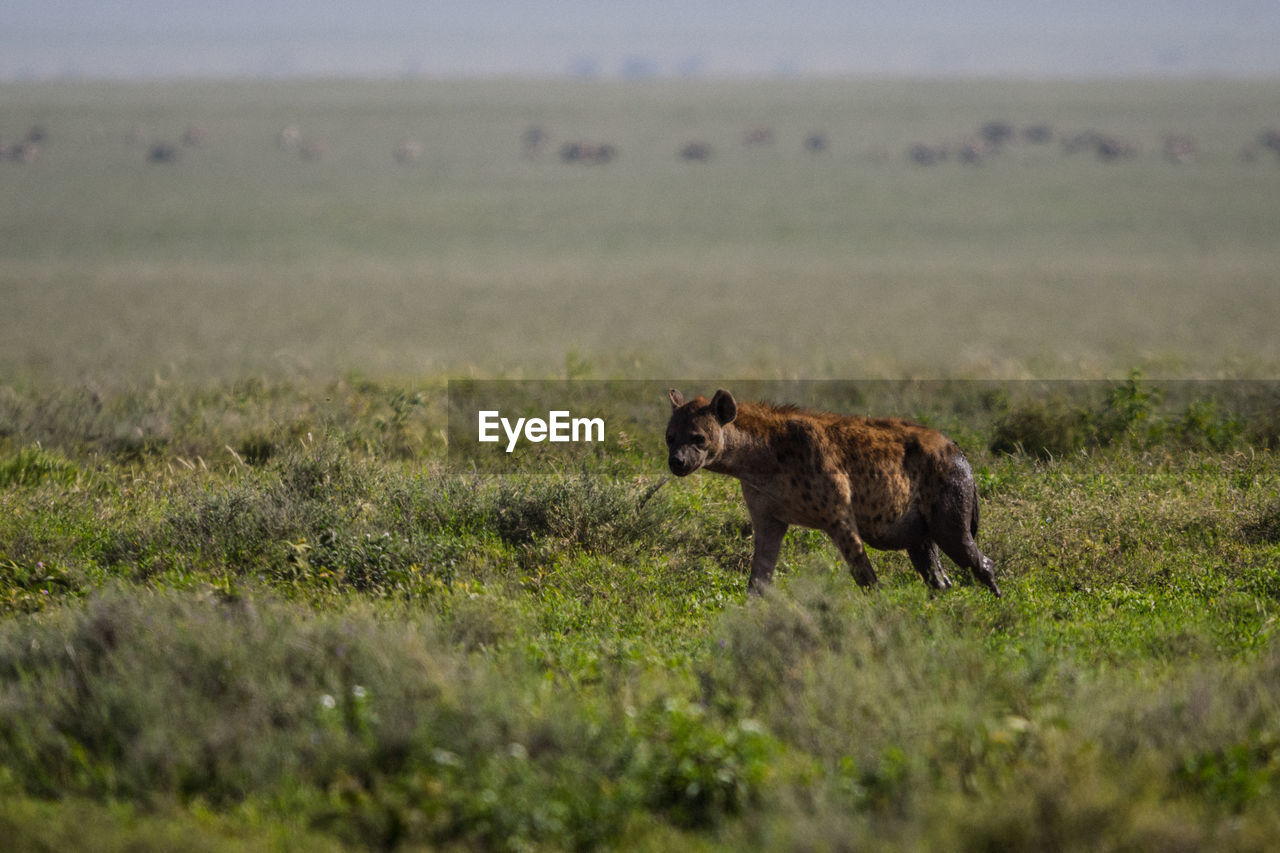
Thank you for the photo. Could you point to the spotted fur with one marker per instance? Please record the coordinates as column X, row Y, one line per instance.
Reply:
column 883, row 482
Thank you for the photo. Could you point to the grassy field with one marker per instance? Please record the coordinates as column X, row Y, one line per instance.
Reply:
column 250, row 597
column 241, row 259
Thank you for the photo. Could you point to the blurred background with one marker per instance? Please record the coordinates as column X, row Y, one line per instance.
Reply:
column 653, row 188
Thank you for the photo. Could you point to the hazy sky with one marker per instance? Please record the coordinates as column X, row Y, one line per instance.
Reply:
column 610, row 38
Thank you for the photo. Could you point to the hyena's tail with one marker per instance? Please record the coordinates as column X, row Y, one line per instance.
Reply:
column 973, row 516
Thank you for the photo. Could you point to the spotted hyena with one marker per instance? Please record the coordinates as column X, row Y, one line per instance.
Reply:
column 881, row 482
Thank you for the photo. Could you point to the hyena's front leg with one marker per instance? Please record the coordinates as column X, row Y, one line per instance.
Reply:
column 845, row 535
column 766, row 534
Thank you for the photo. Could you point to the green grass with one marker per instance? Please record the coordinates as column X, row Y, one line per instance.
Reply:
column 335, row 644
column 249, row 599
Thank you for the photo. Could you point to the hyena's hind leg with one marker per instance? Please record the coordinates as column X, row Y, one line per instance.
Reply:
column 954, row 524
column 924, row 557
column 983, row 567
column 960, row 547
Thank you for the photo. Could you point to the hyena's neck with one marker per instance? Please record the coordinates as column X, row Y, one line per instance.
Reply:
column 746, row 452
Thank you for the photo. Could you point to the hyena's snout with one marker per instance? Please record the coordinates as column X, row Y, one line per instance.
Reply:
column 683, row 461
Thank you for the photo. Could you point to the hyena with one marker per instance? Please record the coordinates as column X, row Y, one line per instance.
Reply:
column 883, row 482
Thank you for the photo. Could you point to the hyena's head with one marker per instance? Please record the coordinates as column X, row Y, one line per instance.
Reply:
column 695, row 433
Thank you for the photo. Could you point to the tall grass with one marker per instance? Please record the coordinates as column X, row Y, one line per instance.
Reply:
column 820, row 717
column 930, row 731
column 379, row 731
column 338, row 648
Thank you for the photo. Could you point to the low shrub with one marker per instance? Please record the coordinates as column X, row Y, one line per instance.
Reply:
column 1044, row 429
column 1129, row 414
column 381, row 732
column 31, row 466
column 584, row 511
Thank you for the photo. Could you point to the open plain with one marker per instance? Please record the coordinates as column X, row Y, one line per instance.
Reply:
column 251, row 599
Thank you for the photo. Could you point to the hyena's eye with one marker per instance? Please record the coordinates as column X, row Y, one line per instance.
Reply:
column 671, row 439
column 699, row 440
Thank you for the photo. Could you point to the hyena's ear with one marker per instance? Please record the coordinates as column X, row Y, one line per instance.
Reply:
column 677, row 399
column 725, row 407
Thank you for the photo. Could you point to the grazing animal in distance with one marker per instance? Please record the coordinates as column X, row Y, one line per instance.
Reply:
column 162, row 152
column 815, row 143
column 698, row 151
column 408, row 152
column 883, row 482
column 193, row 136
column 532, row 141
column 1179, row 149
column 587, row 152
column 289, row 138
column 923, row 154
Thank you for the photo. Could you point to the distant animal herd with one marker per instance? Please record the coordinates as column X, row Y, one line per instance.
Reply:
column 995, row 137
column 989, row 140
